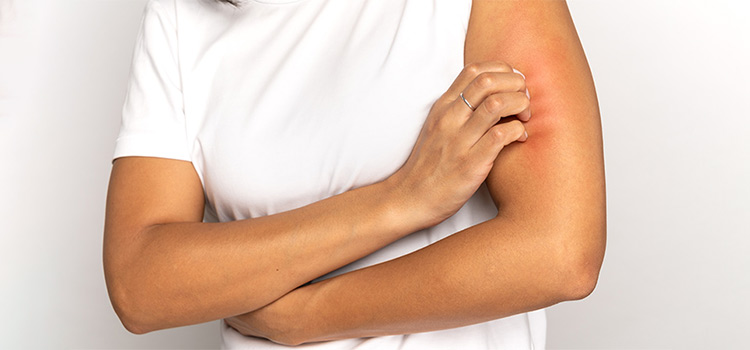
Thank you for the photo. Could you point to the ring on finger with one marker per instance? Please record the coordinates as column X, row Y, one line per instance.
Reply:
column 467, row 102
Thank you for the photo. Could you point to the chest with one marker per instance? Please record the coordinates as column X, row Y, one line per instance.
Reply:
column 316, row 110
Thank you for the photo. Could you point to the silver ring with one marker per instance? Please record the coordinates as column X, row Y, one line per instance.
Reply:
column 467, row 102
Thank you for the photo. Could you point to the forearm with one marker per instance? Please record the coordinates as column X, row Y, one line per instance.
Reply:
column 545, row 246
column 547, row 243
column 186, row 273
column 492, row 270
column 164, row 268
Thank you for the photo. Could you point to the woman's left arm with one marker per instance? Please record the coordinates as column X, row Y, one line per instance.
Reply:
column 546, row 244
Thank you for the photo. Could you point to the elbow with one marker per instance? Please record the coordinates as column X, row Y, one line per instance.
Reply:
column 580, row 281
column 134, row 303
column 128, row 312
column 581, row 266
column 128, row 304
column 134, row 327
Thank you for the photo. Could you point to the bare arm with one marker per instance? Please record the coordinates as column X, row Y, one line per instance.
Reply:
column 165, row 268
column 547, row 242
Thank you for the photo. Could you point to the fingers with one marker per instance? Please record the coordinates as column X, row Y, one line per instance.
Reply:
column 484, row 85
column 471, row 71
column 489, row 97
column 479, row 81
column 482, row 94
column 492, row 109
column 488, row 83
column 526, row 114
column 497, row 137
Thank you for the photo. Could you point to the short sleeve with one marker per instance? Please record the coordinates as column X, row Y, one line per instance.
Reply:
column 153, row 118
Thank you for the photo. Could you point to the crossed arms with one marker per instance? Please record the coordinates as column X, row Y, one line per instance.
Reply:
column 545, row 246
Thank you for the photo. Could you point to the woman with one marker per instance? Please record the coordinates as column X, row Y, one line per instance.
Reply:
column 318, row 142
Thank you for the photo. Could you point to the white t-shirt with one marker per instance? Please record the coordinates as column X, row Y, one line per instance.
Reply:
column 282, row 103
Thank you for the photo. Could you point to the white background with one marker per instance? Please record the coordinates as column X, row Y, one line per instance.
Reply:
column 673, row 79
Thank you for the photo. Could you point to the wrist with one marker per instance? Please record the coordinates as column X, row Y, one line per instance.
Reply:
column 403, row 207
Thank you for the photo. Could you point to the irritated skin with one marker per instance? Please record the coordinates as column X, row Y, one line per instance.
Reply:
column 165, row 268
column 545, row 246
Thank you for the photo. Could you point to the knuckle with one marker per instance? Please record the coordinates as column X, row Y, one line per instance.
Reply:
column 485, row 80
column 504, row 66
column 473, row 68
column 499, row 133
column 493, row 103
column 441, row 104
column 440, row 124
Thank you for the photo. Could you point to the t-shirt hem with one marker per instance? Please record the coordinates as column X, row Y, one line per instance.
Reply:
column 138, row 146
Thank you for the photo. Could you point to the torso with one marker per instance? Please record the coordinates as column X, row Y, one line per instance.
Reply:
column 288, row 103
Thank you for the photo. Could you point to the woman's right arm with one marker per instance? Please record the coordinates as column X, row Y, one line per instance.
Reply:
column 165, row 268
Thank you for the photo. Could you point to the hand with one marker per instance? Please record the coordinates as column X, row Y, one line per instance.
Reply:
column 453, row 155
column 280, row 322
column 457, row 146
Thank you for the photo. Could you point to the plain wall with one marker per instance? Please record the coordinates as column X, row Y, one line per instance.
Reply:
column 673, row 83
column 64, row 67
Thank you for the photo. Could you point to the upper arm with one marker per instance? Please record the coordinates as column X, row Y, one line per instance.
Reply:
column 147, row 191
column 557, row 176
column 152, row 180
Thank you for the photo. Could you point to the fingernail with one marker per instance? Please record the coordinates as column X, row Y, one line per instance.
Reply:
column 524, row 77
column 523, row 137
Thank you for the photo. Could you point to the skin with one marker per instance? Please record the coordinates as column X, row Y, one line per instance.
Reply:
column 165, row 268
column 547, row 242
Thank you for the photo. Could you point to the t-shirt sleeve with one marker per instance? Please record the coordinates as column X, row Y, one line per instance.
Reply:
column 153, row 118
